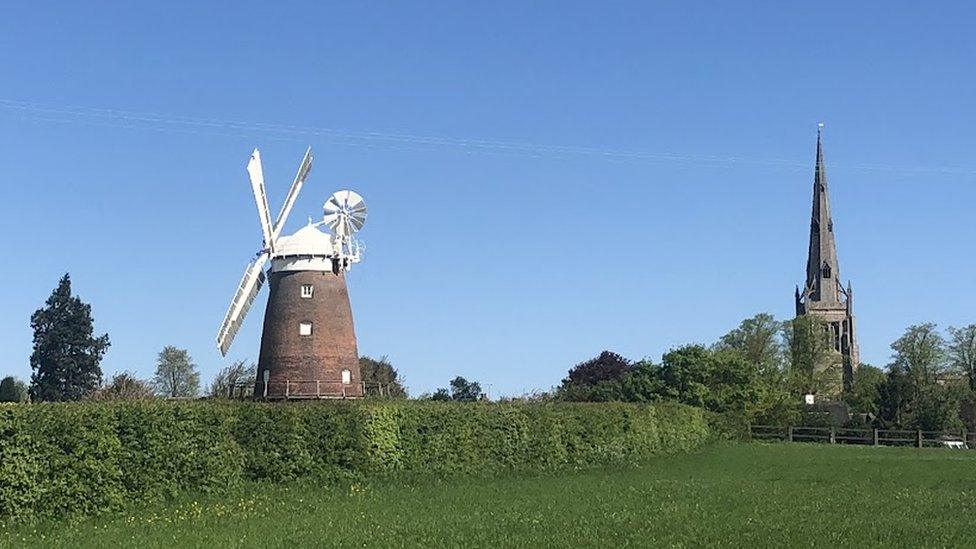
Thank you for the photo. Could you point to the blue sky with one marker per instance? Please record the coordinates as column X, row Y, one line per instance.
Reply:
column 647, row 181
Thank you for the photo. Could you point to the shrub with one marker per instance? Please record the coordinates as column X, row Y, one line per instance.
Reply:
column 123, row 386
column 728, row 426
column 85, row 458
column 20, row 465
column 169, row 449
column 80, row 454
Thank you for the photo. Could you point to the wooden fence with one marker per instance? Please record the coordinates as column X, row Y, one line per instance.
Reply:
column 865, row 437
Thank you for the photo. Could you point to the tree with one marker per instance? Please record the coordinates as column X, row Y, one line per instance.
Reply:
column 777, row 402
column 463, row 390
column 607, row 366
column 381, row 378
column 176, row 374
column 641, row 384
column 596, row 380
column 684, row 373
column 758, row 339
column 815, row 366
column 13, row 390
column 864, row 396
column 232, row 378
column 124, row 386
column 962, row 352
column 442, row 395
column 732, row 382
column 907, row 404
column 895, row 397
column 937, row 407
column 721, row 381
column 66, row 357
column 923, row 397
column 921, row 353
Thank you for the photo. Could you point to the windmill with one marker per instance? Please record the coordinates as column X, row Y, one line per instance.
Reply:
column 308, row 344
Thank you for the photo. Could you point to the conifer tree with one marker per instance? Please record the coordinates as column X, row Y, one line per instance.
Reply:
column 66, row 357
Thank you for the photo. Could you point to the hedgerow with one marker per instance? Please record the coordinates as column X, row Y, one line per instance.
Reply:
column 86, row 458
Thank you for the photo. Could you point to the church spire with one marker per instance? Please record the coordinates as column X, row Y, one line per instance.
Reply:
column 823, row 271
column 823, row 295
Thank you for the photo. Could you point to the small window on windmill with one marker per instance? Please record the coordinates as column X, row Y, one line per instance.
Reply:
column 307, row 291
column 346, row 377
column 305, row 329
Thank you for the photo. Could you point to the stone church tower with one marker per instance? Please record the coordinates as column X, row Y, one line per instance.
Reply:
column 823, row 294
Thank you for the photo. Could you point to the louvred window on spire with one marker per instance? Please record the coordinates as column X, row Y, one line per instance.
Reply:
column 825, row 270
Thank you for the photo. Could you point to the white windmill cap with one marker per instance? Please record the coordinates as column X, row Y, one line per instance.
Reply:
column 305, row 241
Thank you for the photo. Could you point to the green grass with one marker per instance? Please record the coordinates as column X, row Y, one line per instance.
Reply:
column 735, row 495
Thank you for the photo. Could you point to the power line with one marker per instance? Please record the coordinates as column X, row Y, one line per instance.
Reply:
column 135, row 120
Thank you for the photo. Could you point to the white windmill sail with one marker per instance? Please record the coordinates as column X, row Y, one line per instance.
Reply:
column 296, row 187
column 247, row 290
column 254, row 276
column 256, row 174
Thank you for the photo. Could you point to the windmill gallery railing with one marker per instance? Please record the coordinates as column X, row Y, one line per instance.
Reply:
column 308, row 389
column 865, row 437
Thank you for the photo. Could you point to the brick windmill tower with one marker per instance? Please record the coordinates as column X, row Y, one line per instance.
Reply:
column 308, row 346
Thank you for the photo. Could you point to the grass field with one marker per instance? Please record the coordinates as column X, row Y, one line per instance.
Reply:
column 734, row 495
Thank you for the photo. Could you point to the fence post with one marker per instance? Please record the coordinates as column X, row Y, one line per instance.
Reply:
column 919, row 434
column 790, row 433
column 833, row 438
column 965, row 438
column 875, row 437
column 287, row 389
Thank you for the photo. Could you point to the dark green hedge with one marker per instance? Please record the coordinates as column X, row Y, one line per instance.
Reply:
column 59, row 459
